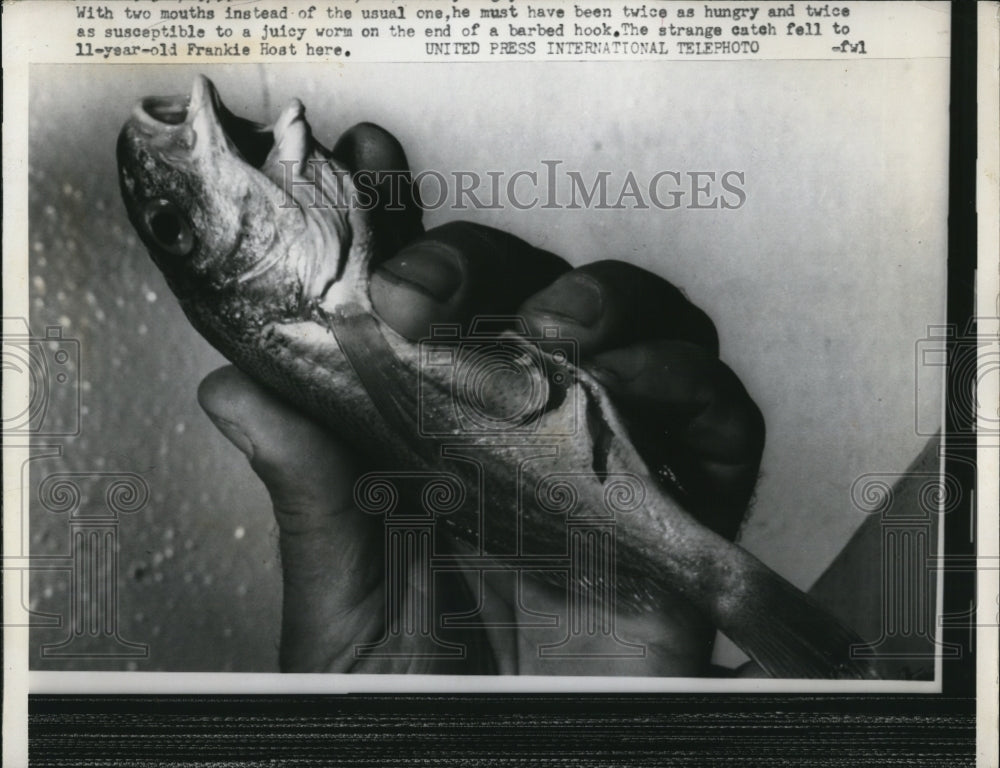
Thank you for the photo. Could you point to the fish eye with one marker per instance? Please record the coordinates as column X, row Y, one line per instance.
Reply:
column 169, row 228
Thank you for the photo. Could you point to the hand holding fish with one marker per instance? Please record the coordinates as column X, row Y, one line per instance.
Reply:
column 653, row 349
column 324, row 306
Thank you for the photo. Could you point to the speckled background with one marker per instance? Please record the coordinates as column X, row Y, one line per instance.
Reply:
column 821, row 286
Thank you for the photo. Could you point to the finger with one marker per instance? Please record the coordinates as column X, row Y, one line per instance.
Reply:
column 458, row 271
column 610, row 304
column 329, row 553
column 381, row 174
column 307, row 473
column 689, row 416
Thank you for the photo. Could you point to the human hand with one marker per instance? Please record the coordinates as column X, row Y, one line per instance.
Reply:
column 655, row 353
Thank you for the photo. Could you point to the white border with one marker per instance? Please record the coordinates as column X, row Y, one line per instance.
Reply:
column 15, row 391
column 221, row 683
column 988, row 305
column 19, row 51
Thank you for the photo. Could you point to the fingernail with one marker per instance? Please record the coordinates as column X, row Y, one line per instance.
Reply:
column 577, row 298
column 434, row 271
column 234, row 434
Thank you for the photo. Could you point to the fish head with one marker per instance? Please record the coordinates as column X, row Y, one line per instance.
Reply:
column 249, row 224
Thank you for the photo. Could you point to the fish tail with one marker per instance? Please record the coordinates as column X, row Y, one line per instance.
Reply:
column 784, row 631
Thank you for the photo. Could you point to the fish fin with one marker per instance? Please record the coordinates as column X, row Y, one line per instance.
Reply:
column 787, row 633
column 391, row 385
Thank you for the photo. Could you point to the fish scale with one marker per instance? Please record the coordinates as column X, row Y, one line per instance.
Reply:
column 303, row 325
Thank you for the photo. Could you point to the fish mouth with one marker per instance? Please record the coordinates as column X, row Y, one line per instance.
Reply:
column 168, row 110
column 197, row 136
column 202, row 120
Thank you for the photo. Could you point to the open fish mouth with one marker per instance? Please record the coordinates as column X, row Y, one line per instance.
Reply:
column 199, row 121
column 208, row 189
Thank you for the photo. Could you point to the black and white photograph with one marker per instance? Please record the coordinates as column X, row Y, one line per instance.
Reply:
column 585, row 361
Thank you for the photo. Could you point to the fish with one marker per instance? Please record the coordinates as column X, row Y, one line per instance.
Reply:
column 261, row 237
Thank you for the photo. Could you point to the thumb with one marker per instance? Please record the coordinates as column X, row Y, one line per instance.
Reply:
column 330, row 553
column 308, row 474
